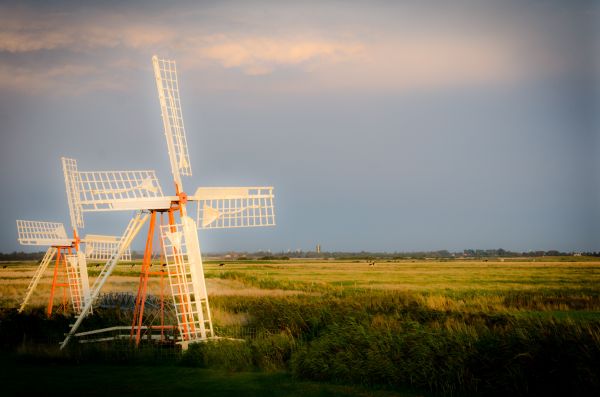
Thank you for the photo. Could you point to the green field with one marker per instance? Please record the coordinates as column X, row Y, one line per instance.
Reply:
column 436, row 327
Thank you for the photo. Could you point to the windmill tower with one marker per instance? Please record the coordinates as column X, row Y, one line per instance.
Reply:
column 220, row 207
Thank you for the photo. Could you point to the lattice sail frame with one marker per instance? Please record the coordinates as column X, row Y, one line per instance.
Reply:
column 77, row 277
column 42, row 233
column 71, row 183
column 102, row 248
column 186, row 278
column 235, row 207
column 165, row 73
column 92, row 191
column 114, row 190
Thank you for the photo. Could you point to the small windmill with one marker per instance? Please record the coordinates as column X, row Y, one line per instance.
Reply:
column 54, row 235
column 71, row 263
column 221, row 207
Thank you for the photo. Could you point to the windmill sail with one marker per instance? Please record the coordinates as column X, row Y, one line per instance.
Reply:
column 234, row 207
column 165, row 73
column 92, row 191
column 72, row 183
column 42, row 233
column 77, row 277
column 186, row 278
column 102, row 248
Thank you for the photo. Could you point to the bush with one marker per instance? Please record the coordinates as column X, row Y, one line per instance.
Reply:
column 266, row 352
column 542, row 358
column 226, row 354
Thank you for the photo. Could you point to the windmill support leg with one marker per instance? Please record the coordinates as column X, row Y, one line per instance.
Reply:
column 138, row 314
column 162, row 306
column 162, row 284
column 65, row 283
column 132, row 230
column 54, row 278
column 38, row 276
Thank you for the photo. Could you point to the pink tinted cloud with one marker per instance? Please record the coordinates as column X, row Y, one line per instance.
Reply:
column 337, row 59
column 262, row 55
column 24, row 30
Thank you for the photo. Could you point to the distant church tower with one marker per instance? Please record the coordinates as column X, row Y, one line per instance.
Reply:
column 318, row 248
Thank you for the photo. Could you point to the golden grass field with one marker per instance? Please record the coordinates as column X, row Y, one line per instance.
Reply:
column 467, row 285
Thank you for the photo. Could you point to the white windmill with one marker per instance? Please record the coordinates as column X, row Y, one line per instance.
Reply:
column 60, row 245
column 69, row 258
column 217, row 207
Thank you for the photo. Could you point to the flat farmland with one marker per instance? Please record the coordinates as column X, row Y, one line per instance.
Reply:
column 439, row 327
column 456, row 282
column 421, row 275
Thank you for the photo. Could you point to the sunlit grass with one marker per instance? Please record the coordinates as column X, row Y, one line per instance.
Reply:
column 442, row 285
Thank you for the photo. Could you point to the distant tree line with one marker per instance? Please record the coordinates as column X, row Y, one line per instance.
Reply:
column 21, row 256
column 362, row 255
column 366, row 255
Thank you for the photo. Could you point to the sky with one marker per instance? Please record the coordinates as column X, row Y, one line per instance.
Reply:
column 383, row 126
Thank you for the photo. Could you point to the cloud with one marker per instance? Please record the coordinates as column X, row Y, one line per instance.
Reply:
column 63, row 79
column 21, row 30
column 262, row 55
column 383, row 63
column 24, row 30
column 65, row 40
column 16, row 42
column 322, row 55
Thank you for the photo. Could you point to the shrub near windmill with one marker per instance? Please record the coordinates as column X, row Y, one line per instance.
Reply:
column 217, row 207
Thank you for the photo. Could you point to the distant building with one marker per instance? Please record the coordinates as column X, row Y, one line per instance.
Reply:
column 318, row 248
